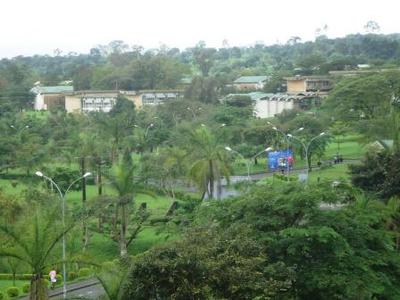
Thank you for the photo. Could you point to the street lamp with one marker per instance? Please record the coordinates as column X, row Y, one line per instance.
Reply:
column 248, row 162
column 306, row 148
column 19, row 132
column 151, row 125
column 62, row 198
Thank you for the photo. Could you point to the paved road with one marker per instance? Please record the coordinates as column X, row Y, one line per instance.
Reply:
column 88, row 289
column 258, row 176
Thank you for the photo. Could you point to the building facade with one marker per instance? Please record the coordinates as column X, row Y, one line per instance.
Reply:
column 50, row 97
column 303, row 84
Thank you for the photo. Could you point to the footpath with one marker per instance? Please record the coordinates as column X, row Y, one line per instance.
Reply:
column 82, row 285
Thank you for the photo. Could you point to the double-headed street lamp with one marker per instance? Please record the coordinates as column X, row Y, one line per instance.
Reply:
column 62, row 198
column 248, row 162
column 306, row 148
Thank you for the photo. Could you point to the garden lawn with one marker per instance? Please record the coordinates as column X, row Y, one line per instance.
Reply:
column 350, row 148
column 5, row 284
column 337, row 172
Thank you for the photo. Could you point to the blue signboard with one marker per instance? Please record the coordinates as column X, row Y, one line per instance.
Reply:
column 280, row 160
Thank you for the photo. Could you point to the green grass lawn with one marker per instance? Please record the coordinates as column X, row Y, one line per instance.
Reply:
column 5, row 284
column 349, row 148
column 101, row 246
column 337, row 172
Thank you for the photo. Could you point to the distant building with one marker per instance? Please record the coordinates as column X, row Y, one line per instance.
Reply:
column 64, row 97
column 89, row 101
column 303, row 84
column 267, row 105
column 250, row 83
column 50, row 97
column 156, row 97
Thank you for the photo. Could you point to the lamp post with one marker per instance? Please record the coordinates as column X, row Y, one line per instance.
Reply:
column 306, row 148
column 151, row 125
column 193, row 111
column 19, row 131
column 62, row 198
column 248, row 162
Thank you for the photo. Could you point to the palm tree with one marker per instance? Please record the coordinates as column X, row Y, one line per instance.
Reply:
column 210, row 161
column 113, row 278
column 33, row 241
column 122, row 180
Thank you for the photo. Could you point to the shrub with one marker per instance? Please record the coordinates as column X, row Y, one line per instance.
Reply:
column 59, row 278
column 12, row 291
column 1, row 296
column 8, row 276
column 25, row 288
column 72, row 275
column 84, row 272
column 46, row 282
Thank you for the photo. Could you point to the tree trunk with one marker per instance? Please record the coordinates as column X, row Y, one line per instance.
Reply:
column 219, row 188
column 210, row 165
column 38, row 289
column 122, row 238
column 99, row 180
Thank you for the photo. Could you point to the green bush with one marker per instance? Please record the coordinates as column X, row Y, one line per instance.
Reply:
column 8, row 276
column 59, row 279
column 12, row 291
column 72, row 275
column 84, row 272
column 25, row 288
column 46, row 282
column 1, row 296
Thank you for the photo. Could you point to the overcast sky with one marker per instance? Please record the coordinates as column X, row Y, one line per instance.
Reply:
column 30, row 27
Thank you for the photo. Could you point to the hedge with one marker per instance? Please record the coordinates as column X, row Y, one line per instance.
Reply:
column 84, row 272
column 72, row 275
column 25, row 288
column 8, row 276
column 12, row 291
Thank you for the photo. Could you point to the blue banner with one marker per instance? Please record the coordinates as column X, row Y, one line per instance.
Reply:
column 280, row 160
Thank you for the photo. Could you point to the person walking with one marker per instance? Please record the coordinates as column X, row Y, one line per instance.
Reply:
column 53, row 278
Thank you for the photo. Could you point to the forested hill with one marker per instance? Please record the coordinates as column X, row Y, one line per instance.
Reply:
column 120, row 66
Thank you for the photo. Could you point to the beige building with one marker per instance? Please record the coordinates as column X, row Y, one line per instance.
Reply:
column 250, row 83
column 88, row 101
column 156, row 97
column 303, row 84
column 64, row 97
column 50, row 97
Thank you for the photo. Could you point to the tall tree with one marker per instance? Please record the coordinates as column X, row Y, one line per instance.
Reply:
column 210, row 161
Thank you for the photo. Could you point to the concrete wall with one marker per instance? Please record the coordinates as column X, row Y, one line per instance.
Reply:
column 269, row 108
column 73, row 103
column 296, row 86
column 39, row 102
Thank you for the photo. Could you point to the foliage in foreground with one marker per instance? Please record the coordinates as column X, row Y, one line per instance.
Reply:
column 208, row 264
column 281, row 243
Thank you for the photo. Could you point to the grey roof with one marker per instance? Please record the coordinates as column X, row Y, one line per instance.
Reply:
column 251, row 79
column 52, row 89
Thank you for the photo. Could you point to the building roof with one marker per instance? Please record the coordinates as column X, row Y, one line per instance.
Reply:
column 58, row 89
column 312, row 77
column 260, row 96
column 251, row 79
